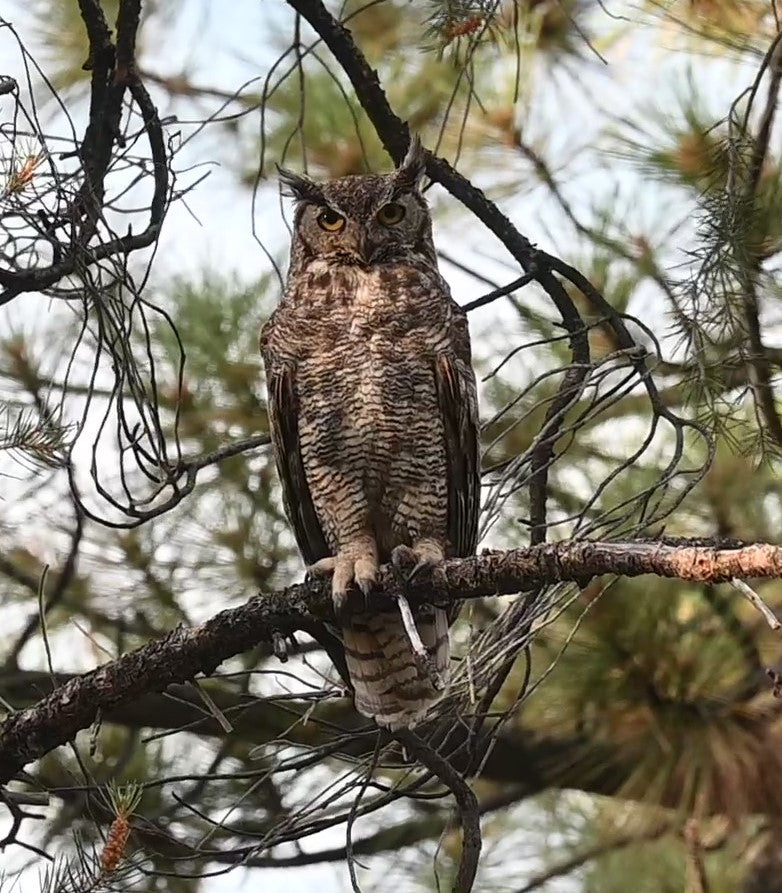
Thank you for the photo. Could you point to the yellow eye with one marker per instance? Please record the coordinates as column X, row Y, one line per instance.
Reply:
column 391, row 214
column 330, row 220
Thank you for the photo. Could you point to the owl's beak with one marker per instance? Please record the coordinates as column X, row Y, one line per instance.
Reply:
column 365, row 247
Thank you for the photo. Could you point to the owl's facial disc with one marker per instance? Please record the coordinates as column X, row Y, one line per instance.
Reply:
column 363, row 220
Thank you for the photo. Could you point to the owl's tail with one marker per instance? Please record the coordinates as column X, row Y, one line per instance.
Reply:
column 390, row 684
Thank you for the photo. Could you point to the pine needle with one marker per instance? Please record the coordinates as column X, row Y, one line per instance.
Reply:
column 41, row 440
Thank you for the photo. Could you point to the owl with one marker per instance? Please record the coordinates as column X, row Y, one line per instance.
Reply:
column 374, row 419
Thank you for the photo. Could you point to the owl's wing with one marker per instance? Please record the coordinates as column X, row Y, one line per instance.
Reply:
column 456, row 392
column 283, row 409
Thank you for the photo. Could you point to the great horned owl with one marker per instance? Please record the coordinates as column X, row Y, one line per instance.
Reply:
column 374, row 417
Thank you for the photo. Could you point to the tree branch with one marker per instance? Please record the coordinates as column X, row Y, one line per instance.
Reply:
column 466, row 804
column 760, row 366
column 185, row 652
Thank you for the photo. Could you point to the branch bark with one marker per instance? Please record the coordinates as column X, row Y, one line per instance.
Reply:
column 184, row 653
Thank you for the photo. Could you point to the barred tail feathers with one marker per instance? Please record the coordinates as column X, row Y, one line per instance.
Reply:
column 389, row 684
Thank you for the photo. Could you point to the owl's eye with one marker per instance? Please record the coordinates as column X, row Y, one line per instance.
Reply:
column 391, row 214
column 330, row 220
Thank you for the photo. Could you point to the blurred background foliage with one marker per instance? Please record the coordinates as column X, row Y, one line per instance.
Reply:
column 649, row 747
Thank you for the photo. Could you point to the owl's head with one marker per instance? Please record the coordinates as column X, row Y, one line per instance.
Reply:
column 368, row 219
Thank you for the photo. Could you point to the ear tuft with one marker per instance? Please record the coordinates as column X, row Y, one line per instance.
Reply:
column 299, row 188
column 410, row 171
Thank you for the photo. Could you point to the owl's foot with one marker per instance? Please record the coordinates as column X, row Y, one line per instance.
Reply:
column 354, row 564
column 417, row 563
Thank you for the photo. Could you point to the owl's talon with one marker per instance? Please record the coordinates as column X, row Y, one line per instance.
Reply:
column 354, row 567
column 421, row 565
column 403, row 562
column 341, row 602
column 365, row 573
column 410, row 563
column 365, row 587
column 323, row 567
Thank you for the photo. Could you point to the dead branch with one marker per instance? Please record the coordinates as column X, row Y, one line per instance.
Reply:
column 14, row 801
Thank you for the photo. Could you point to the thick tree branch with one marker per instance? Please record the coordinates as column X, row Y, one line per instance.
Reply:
column 185, row 652
column 519, row 756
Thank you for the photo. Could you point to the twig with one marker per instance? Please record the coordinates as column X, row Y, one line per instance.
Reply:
column 422, row 656
column 216, row 712
column 349, row 852
column 749, row 593
column 57, row 594
column 408, row 621
column 500, row 292
column 466, row 803
column 13, row 801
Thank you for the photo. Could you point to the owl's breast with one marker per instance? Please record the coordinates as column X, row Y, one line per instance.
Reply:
column 345, row 315
column 395, row 301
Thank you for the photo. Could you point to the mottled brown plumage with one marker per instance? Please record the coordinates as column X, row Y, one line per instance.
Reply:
column 374, row 416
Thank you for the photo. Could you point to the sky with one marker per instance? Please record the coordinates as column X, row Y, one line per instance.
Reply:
column 213, row 227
